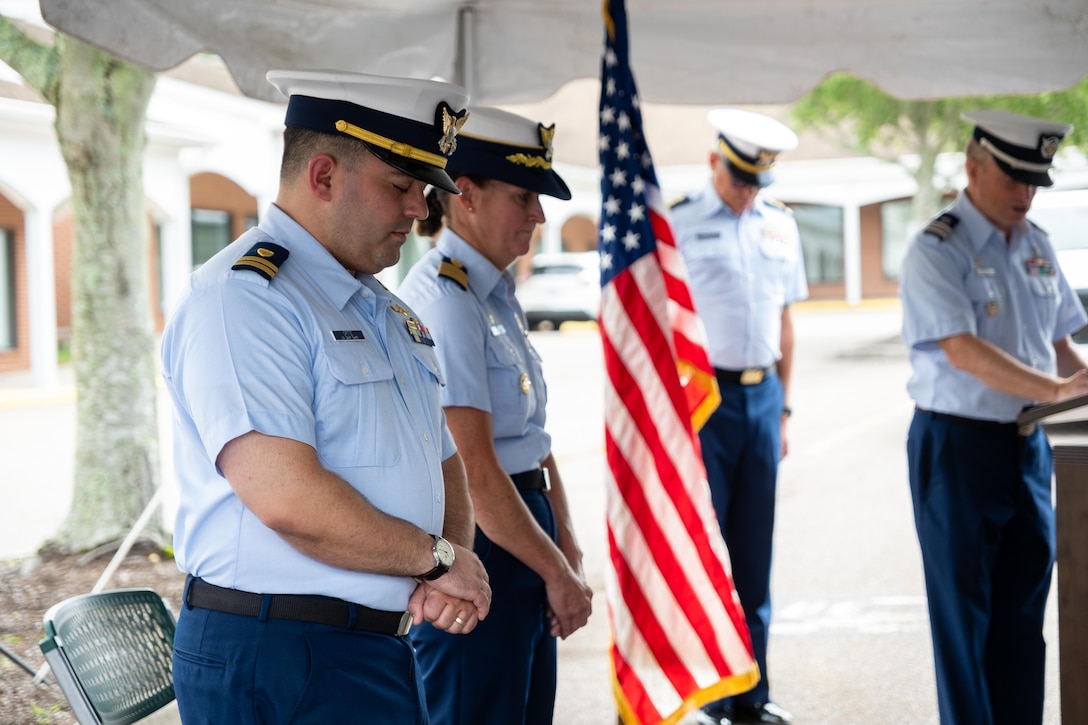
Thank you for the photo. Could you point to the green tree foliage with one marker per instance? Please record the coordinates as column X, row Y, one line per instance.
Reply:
column 101, row 103
column 864, row 119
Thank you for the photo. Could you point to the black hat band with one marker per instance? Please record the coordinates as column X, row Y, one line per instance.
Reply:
column 764, row 163
column 530, row 157
column 1013, row 155
column 398, row 135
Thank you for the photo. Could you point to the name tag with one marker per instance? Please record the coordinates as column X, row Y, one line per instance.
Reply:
column 348, row 335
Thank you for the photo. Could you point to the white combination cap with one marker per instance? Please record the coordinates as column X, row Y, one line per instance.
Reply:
column 497, row 144
column 409, row 123
column 1022, row 146
column 751, row 142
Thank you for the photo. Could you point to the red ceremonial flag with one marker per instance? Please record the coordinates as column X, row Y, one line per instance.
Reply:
column 679, row 639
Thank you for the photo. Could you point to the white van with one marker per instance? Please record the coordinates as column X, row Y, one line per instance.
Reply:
column 1064, row 216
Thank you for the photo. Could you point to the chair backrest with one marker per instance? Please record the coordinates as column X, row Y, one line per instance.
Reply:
column 111, row 654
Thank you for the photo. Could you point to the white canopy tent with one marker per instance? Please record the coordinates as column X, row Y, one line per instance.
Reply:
column 699, row 53
column 683, row 51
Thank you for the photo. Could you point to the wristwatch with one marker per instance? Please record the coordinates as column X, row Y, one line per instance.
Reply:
column 443, row 559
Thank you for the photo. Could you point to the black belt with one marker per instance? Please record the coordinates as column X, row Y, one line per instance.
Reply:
column 748, row 376
column 534, row 480
column 299, row 608
column 992, row 426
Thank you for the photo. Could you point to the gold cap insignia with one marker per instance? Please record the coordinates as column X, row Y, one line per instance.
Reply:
column 451, row 123
column 547, row 133
column 1048, row 146
column 766, row 158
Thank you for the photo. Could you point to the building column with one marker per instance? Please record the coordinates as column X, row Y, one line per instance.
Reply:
column 851, row 252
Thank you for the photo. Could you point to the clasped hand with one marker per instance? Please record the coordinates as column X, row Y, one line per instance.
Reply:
column 456, row 601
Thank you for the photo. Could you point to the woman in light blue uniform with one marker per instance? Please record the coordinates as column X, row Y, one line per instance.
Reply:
column 504, row 673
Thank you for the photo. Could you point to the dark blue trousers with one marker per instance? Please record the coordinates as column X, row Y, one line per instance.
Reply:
column 244, row 671
column 504, row 671
column 741, row 444
column 985, row 522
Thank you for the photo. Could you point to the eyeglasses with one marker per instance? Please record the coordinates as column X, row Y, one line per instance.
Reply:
column 738, row 184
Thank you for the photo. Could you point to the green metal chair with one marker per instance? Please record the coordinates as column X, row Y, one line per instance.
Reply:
column 111, row 654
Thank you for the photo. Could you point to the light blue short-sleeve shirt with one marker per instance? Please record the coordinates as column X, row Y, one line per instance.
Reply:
column 316, row 355
column 959, row 276
column 482, row 341
column 743, row 270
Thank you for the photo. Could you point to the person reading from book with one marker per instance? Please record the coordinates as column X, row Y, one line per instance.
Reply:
column 987, row 316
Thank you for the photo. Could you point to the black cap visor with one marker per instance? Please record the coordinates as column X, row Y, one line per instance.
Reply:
column 416, row 169
column 547, row 182
column 761, row 180
column 1032, row 178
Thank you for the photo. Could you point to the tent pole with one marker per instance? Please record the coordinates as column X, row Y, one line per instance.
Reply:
column 464, row 62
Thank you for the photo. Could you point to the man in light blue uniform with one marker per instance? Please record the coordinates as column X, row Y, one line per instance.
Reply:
column 495, row 397
column 742, row 251
column 987, row 316
column 323, row 505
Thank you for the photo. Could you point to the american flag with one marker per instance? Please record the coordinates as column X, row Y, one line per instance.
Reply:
column 679, row 639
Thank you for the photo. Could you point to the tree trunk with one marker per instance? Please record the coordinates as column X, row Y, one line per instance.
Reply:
column 931, row 128
column 927, row 200
column 101, row 112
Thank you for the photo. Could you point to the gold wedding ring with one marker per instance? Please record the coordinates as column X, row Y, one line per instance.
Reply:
column 459, row 621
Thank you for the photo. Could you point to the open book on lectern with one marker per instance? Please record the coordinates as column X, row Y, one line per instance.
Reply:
column 1071, row 410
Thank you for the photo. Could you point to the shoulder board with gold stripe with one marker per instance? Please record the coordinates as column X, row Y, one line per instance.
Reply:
column 454, row 269
column 777, row 204
column 942, row 226
column 264, row 258
column 679, row 201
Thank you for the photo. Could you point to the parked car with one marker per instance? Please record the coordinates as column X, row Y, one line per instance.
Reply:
column 562, row 287
column 1064, row 217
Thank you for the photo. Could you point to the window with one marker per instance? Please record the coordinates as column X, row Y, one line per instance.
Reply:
column 7, row 290
column 821, row 240
column 895, row 235
column 211, row 232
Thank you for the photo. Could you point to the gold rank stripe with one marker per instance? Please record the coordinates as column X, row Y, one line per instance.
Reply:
column 258, row 263
column 455, row 271
column 399, row 148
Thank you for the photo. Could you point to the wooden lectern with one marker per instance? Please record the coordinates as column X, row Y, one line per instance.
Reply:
column 1066, row 425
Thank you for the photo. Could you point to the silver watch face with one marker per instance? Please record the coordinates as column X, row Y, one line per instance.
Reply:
column 444, row 551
